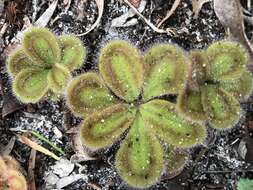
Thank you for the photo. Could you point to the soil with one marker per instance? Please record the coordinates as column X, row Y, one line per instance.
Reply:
column 216, row 164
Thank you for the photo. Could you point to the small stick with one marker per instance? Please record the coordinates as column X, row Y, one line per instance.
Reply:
column 151, row 25
column 31, row 166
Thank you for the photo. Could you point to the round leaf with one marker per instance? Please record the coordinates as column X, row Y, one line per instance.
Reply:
column 19, row 61
column 87, row 94
column 169, row 126
column 240, row 88
column 41, row 46
column 30, row 85
column 121, row 67
column 102, row 129
column 222, row 108
column 72, row 52
column 166, row 71
column 227, row 61
column 176, row 160
column 140, row 158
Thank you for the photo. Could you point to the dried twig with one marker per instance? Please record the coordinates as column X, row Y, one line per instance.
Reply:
column 158, row 30
column 100, row 5
column 229, row 171
column 31, row 166
column 36, row 146
column 170, row 12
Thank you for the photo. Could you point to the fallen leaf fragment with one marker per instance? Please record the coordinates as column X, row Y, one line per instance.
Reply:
column 63, row 168
column 46, row 16
column 197, row 5
column 100, row 5
column 170, row 12
column 245, row 149
column 36, row 146
column 65, row 181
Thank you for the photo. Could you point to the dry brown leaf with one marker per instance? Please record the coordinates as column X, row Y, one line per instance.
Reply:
column 46, row 16
column 100, row 5
column 36, row 146
column 197, row 5
column 170, row 12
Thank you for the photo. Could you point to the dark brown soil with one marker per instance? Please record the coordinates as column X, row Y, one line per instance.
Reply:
column 213, row 165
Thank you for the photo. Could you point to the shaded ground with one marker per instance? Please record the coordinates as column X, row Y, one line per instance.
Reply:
column 214, row 165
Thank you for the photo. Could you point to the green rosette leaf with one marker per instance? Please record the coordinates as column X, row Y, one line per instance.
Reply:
column 240, row 88
column 30, row 85
column 222, row 108
column 176, row 160
column 101, row 129
column 41, row 46
column 189, row 105
column 169, row 126
column 166, row 70
column 227, row 61
column 140, row 158
column 72, row 52
column 19, row 61
column 121, row 67
column 58, row 78
column 87, row 94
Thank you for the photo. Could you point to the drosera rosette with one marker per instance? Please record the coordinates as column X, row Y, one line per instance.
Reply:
column 41, row 66
column 10, row 176
column 121, row 102
column 218, row 82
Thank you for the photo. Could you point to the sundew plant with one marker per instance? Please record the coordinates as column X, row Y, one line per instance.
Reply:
column 218, row 81
column 41, row 66
column 10, row 176
column 122, row 103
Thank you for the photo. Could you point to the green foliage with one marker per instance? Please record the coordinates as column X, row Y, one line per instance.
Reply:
column 165, row 71
column 176, row 160
column 123, row 98
column 43, row 63
column 245, row 184
column 10, row 176
column 218, row 80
